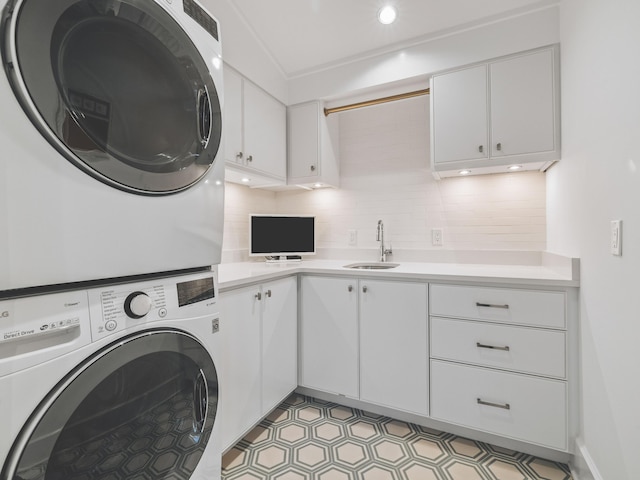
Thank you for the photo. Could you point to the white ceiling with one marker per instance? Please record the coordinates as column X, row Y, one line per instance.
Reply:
column 303, row 36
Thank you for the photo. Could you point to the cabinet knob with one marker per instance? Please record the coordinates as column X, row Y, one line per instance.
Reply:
column 350, row 288
column 268, row 293
column 481, row 148
column 250, row 158
column 258, row 296
column 364, row 289
column 499, row 147
column 239, row 155
column 313, row 168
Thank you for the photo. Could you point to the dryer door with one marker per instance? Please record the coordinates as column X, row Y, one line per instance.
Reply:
column 143, row 407
column 119, row 88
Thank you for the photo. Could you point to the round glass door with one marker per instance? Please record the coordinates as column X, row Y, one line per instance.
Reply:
column 119, row 88
column 142, row 408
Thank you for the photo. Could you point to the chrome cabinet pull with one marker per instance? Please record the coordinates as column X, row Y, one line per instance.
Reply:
column 250, row 158
column 239, row 155
column 491, row 305
column 504, row 406
column 481, row 148
column 313, row 168
column 258, row 296
column 268, row 293
column 350, row 288
column 499, row 147
column 364, row 289
column 492, row 347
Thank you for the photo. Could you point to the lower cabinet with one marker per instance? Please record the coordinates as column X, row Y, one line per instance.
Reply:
column 258, row 325
column 500, row 362
column 366, row 339
column 523, row 407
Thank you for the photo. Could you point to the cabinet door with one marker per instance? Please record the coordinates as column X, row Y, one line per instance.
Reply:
column 304, row 143
column 522, row 105
column 393, row 345
column 460, row 115
column 265, row 132
column 279, row 341
column 329, row 335
column 232, row 120
column 240, row 402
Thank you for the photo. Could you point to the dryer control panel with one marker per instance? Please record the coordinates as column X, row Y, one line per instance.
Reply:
column 118, row 307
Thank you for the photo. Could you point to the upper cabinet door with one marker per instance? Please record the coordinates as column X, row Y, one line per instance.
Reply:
column 265, row 132
column 232, row 116
column 522, row 105
column 460, row 115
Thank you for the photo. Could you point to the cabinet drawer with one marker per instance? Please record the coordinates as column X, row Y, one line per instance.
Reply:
column 525, row 408
column 528, row 350
column 526, row 307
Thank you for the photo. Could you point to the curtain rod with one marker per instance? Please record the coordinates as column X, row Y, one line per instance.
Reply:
column 378, row 101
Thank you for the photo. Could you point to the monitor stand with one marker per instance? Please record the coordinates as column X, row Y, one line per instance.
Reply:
column 284, row 259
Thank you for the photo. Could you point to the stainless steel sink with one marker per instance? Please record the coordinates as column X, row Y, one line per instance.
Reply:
column 372, row 266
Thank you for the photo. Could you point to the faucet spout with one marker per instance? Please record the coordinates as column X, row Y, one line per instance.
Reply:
column 380, row 238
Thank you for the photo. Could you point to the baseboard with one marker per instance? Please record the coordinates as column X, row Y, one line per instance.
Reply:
column 583, row 467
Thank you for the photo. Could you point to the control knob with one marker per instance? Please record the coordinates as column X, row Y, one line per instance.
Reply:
column 137, row 305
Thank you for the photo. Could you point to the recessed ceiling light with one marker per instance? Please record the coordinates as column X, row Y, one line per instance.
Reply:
column 387, row 15
column 464, row 172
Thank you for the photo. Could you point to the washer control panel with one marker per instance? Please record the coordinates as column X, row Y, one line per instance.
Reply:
column 118, row 307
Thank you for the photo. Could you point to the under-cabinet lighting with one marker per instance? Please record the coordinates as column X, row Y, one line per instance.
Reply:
column 513, row 168
column 245, row 180
column 317, row 185
column 464, row 172
column 387, row 15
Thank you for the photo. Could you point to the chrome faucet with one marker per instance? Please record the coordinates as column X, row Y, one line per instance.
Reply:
column 380, row 238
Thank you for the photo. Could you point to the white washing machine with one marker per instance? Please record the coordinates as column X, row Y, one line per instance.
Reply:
column 117, row 382
column 110, row 131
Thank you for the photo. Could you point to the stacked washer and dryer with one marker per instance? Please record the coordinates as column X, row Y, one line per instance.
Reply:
column 111, row 217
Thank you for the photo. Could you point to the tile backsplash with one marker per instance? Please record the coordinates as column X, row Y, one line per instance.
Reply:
column 385, row 175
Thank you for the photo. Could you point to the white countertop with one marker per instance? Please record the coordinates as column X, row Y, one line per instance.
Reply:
column 232, row 275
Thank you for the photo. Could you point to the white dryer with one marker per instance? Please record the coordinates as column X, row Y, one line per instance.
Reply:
column 113, row 383
column 110, row 132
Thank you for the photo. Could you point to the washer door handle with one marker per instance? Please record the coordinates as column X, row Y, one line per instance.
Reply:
column 200, row 402
column 204, row 116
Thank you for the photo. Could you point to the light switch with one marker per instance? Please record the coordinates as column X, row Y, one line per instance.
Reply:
column 616, row 237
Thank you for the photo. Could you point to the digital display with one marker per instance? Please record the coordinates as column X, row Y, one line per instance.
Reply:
column 196, row 12
column 273, row 235
column 195, row 291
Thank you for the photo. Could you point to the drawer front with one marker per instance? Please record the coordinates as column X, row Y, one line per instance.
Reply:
column 525, row 307
column 528, row 350
column 525, row 408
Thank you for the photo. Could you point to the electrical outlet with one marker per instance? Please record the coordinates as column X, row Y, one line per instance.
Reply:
column 353, row 238
column 436, row 237
column 616, row 237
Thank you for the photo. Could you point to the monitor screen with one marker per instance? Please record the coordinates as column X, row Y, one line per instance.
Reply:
column 282, row 235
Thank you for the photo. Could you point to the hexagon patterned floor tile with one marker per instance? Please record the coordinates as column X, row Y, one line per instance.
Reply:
column 309, row 439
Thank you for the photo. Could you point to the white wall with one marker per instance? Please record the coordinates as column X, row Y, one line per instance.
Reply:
column 385, row 175
column 598, row 180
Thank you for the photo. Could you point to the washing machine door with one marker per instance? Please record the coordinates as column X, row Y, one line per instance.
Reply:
column 118, row 87
column 142, row 408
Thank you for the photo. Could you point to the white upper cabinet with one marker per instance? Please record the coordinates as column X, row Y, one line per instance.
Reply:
column 488, row 117
column 313, row 146
column 255, row 133
column 460, row 110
